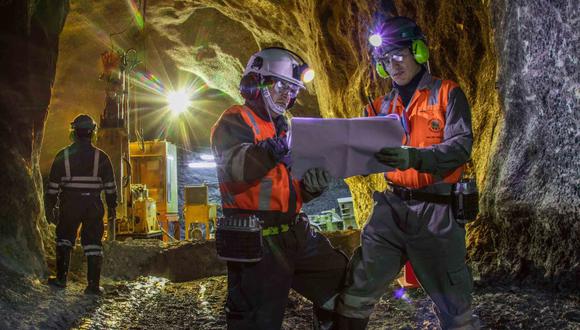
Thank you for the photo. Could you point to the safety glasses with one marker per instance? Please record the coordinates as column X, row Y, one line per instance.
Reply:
column 282, row 87
column 394, row 56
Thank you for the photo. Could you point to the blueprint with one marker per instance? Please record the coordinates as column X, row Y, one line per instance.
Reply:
column 345, row 147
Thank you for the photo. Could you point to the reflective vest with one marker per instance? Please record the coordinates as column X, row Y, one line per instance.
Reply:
column 92, row 183
column 424, row 124
column 270, row 193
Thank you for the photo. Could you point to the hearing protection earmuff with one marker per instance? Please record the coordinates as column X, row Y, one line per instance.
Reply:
column 250, row 86
column 420, row 53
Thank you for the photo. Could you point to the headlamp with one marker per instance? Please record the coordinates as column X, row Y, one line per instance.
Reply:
column 303, row 73
column 376, row 40
column 307, row 75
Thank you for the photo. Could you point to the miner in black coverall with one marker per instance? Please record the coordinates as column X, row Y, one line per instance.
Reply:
column 78, row 175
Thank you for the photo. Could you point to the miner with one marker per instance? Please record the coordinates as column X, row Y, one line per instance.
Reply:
column 413, row 219
column 251, row 149
column 78, row 174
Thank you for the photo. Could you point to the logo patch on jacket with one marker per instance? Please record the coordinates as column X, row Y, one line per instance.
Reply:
column 435, row 125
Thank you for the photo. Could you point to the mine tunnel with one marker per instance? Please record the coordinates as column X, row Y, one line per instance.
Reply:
column 157, row 75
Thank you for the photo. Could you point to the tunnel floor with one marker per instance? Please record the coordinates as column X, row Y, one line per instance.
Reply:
column 156, row 303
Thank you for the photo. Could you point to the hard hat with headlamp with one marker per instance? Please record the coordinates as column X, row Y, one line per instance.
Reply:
column 279, row 66
column 396, row 33
column 83, row 126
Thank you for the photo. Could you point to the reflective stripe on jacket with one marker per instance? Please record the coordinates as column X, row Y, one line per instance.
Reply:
column 269, row 193
column 80, row 169
column 424, row 121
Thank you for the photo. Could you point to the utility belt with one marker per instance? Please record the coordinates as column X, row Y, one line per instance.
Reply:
column 463, row 198
column 240, row 238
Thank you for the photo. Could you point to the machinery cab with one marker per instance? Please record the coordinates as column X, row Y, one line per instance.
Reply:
column 198, row 213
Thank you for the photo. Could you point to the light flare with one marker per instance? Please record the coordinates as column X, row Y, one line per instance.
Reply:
column 307, row 75
column 178, row 101
column 376, row 40
column 136, row 13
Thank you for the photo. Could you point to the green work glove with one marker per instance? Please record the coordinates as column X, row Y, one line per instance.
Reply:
column 316, row 180
column 401, row 158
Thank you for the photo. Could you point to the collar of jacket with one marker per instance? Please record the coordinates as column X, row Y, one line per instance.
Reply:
column 82, row 143
column 258, row 107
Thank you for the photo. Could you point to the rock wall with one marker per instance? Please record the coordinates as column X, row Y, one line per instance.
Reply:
column 28, row 53
column 530, row 219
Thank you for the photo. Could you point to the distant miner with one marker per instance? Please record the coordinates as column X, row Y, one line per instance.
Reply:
column 78, row 175
column 269, row 244
column 417, row 219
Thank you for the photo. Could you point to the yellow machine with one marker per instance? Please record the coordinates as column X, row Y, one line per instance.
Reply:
column 154, row 164
column 136, row 212
column 145, row 171
column 114, row 141
column 143, row 221
column 200, row 216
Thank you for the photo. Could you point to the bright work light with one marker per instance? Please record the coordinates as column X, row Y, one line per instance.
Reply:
column 307, row 75
column 376, row 40
column 178, row 101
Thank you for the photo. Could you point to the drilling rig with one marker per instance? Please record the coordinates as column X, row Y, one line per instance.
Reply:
column 146, row 171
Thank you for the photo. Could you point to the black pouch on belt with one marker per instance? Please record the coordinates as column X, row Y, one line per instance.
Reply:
column 239, row 238
column 466, row 201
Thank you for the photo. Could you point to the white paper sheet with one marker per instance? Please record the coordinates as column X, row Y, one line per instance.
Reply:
column 345, row 147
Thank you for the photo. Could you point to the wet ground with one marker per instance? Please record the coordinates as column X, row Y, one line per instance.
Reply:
column 156, row 303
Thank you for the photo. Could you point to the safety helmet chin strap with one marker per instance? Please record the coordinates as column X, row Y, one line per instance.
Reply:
column 270, row 105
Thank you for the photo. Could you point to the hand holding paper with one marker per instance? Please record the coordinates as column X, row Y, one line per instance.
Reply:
column 401, row 158
column 345, row 147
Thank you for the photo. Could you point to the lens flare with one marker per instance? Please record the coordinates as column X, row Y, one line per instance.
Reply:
column 178, row 101
column 376, row 40
column 137, row 14
column 307, row 75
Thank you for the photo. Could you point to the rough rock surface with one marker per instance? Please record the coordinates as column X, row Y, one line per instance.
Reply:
column 28, row 53
column 526, row 151
column 530, row 220
column 155, row 303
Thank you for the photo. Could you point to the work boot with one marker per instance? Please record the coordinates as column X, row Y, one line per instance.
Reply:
column 322, row 319
column 349, row 323
column 62, row 263
column 94, row 264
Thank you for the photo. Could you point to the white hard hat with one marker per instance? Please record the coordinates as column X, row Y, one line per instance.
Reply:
column 278, row 63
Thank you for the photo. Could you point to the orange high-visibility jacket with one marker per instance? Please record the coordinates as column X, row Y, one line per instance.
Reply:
column 269, row 193
column 426, row 126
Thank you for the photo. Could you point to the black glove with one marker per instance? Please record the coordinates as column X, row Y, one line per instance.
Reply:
column 276, row 146
column 401, row 158
column 316, row 180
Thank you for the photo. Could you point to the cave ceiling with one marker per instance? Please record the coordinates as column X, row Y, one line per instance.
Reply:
column 200, row 44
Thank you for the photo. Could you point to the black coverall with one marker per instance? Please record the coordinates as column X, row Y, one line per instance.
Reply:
column 298, row 258
column 78, row 175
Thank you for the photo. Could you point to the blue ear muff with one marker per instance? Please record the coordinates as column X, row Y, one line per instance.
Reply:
column 420, row 51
